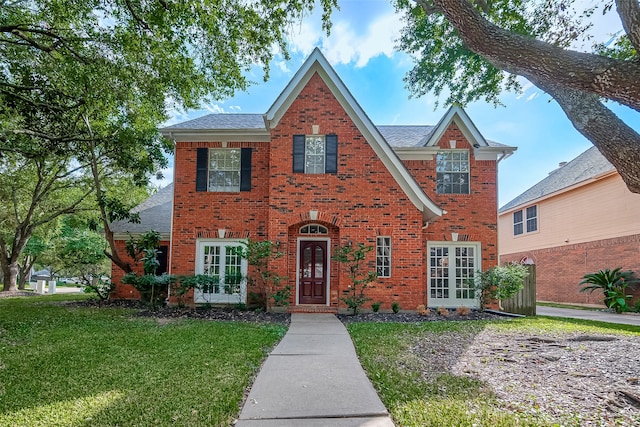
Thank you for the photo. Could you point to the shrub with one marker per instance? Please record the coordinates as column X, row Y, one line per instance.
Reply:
column 395, row 307
column 281, row 297
column 443, row 311
column 423, row 310
column 463, row 311
column 613, row 284
column 499, row 283
column 352, row 258
column 375, row 306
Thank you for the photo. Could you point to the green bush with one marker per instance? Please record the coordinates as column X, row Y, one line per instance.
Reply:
column 395, row 307
column 499, row 283
column 613, row 284
column 352, row 258
column 375, row 306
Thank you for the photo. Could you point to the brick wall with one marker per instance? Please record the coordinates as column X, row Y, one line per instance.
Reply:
column 123, row 291
column 473, row 216
column 359, row 203
column 560, row 269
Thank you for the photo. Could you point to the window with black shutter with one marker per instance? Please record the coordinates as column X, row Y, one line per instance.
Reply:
column 223, row 169
column 315, row 154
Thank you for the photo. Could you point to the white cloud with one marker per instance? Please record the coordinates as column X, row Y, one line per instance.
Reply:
column 214, row 108
column 347, row 43
column 533, row 96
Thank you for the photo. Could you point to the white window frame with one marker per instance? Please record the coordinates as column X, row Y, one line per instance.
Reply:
column 225, row 169
column 525, row 220
column 453, row 300
column 221, row 297
column 453, row 166
column 308, row 156
column 382, row 255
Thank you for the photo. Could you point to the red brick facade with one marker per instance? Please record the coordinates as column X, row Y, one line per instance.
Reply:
column 367, row 198
column 560, row 269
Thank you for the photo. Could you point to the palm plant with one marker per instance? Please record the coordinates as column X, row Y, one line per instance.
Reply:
column 613, row 284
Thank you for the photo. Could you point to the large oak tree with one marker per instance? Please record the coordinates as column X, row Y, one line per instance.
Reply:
column 84, row 85
column 474, row 50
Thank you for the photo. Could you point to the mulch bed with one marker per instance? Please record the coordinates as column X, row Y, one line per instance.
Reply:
column 234, row 314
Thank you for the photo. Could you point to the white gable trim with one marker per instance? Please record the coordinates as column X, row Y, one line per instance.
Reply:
column 317, row 63
column 459, row 116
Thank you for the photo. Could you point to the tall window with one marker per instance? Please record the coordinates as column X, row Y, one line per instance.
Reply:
column 517, row 223
column 452, row 172
column 314, row 154
column 383, row 256
column 224, row 169
column 451, row 270
column 227, row 269
column 531, row 220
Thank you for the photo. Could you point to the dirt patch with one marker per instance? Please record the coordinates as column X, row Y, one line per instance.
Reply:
column 572, row 378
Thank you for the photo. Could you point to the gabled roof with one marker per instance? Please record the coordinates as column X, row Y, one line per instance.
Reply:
column 227, row 121
column 317, row 63
column 460, row 117
column 406, row 135
column 588, row 165
column 155, row 214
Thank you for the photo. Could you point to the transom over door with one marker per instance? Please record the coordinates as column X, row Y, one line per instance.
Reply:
column 312, row 272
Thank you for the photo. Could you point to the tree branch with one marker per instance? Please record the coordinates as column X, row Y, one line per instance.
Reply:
column 618, row 142
column 629, row 11
column 609, row 78
column 137, row 18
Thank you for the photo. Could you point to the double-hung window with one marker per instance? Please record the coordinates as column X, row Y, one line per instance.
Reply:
column 525, row 220
column 383, row 256
column 315, row 154
column 452, row 172
column 223, row 169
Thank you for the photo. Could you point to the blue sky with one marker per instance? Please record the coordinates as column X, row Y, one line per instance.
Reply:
column 361, row 48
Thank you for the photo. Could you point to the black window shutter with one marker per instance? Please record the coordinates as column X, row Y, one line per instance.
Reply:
column 331, row 154
column 245, row 169
column 298, row 153
column 202, row 170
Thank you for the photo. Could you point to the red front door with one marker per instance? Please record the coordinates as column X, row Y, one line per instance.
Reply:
column 313, row 272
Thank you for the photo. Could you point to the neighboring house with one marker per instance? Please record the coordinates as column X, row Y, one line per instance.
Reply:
column 313, row 174
column 580, row 219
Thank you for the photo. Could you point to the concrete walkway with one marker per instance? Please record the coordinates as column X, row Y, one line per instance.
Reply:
column 313, row 378
column 601, row 316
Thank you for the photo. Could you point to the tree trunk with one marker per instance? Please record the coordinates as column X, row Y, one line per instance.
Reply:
column 10, row 270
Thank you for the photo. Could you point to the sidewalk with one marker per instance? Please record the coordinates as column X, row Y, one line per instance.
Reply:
column 313, row 378
column 601, row 316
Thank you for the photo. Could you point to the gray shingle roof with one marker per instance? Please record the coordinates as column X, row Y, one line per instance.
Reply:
column 155, row 214
column 223, row 121
column 586, row 166
column 406, row 136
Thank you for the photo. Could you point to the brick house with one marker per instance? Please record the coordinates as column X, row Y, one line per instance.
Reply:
column 579, row 219
column 314, row 173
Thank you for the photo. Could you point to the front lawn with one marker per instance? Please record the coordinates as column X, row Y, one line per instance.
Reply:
column 62, row 365
column 410, row 367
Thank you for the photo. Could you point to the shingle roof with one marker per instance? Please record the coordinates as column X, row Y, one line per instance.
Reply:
column 223, row 121
column 586, row 166
column 405, row 136
column 155, row 214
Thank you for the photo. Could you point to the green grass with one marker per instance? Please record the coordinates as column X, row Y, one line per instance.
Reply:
column 70, row 366
column 447, row 399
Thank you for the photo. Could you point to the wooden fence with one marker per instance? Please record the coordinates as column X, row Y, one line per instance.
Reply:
column 524, row 302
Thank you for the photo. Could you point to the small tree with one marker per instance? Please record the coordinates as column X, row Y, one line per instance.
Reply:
column 258, row 254
column 499, row 283
column 613, row 284
column 352, row 258
column 146, row 249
